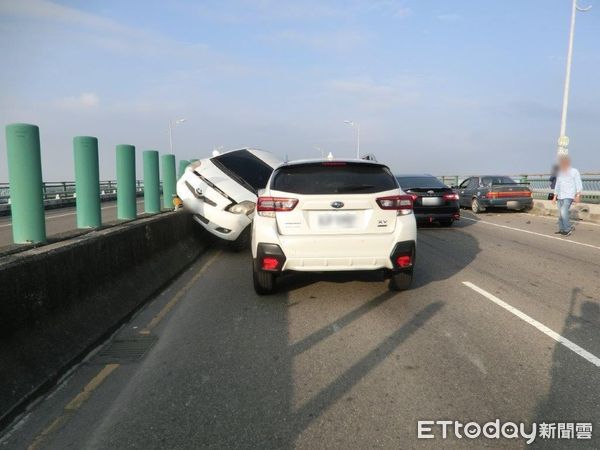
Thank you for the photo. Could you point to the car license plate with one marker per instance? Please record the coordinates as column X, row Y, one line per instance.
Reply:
column 339, row 220
column 513, row 204
column 431, row 201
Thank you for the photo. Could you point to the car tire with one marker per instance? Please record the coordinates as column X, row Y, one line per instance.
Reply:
column 401, row 281
column 243, row 241
column 476, row 206
column 446, row 223
column 264, row 282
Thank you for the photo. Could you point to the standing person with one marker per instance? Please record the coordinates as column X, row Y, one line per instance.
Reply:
column 568, row 190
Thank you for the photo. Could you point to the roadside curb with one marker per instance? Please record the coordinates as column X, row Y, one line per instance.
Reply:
column 585, row 212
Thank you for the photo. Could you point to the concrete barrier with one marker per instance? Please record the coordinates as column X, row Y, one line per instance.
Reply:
column 59, row 301
column 579, row 211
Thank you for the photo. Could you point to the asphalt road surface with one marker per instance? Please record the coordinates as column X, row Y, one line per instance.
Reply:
column 338, row 361
column 61, row 219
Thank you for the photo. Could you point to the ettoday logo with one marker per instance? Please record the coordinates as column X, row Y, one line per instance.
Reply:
column 431, row 429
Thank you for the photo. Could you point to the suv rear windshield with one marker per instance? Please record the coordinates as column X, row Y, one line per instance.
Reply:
column 420, row 182
column 245, row 168
column 333, row 178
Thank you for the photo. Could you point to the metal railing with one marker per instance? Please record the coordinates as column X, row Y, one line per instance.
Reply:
column 540, row 184
column 64, row 190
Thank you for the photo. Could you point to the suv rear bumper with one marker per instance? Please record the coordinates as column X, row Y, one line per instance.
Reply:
column 329, row 253
column 332, row 263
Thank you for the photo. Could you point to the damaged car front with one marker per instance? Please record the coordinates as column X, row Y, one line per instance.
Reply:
column 221, row 191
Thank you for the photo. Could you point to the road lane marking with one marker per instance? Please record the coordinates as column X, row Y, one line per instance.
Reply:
column 57, row 216
column 73, row 406
column 532, row 232
column 179, row 295
column 541, row 327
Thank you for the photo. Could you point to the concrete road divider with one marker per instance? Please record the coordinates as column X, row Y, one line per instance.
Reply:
column 579, row 211
column 59, row 301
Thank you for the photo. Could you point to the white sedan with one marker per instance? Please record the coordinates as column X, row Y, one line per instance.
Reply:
column 221, row 191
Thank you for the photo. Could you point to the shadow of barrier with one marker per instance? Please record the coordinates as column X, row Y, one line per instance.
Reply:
column 57, row 302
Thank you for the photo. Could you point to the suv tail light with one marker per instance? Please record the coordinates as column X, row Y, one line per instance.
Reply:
column 452, row 196
column 270, row 263
column 268, row 206
column 404, row 261
column 401, row 203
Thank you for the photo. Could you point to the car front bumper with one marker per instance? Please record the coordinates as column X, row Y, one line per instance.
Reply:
column 213, row 217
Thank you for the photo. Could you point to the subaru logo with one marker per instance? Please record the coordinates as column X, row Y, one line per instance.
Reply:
column 337, row 205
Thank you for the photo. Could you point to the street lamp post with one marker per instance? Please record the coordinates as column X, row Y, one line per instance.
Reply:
column 173, row 124
column 563, row 140
column 357, row 126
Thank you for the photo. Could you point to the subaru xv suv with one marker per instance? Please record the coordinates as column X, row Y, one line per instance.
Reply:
column 338, row 215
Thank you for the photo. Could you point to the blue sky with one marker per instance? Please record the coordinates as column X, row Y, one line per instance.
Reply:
column 437, row 86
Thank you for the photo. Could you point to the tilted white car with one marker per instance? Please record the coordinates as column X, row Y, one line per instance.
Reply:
column 338, row 215
column 221, row 191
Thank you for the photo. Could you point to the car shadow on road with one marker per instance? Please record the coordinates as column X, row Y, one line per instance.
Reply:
column 574, row 394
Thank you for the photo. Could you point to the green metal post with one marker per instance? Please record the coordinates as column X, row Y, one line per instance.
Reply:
column 87, row 182
column 169, row 179
column 151, row 182
column 126, row 192
column 25, row 178
column 182, row 165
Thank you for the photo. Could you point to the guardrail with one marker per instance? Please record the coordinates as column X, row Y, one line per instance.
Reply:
column 62, row 190
column 540, row 184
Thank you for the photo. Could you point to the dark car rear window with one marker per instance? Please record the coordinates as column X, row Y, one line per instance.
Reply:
column 420, row 182
column 486, row 181
column 244, row 167
column 333, row 178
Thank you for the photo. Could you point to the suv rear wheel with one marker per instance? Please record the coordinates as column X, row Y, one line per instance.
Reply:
column 401, row 281
column 264, row 282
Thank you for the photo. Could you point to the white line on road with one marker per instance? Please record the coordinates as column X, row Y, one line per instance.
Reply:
column 543, row 328
column 531, row 232
column 56, row 216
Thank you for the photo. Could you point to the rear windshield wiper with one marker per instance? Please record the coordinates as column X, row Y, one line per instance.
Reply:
column 355, row 187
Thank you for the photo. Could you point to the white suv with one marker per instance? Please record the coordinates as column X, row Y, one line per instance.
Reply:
column 339, row 215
